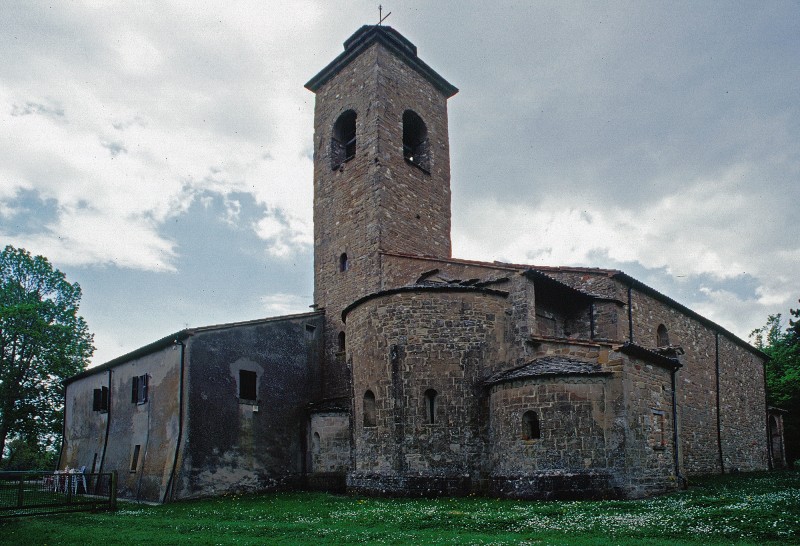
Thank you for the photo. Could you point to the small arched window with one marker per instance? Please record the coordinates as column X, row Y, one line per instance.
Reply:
column 369, row 409
column 341, row 340
column 430, row 406
column 343, row 139
column 343, row 263
column 662, row 337
column 416, row 148
column 530, row 426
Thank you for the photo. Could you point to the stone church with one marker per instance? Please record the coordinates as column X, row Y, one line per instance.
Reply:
column 417, row 373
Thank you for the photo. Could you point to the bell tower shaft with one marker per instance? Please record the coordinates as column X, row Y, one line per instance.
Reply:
column 381, row 173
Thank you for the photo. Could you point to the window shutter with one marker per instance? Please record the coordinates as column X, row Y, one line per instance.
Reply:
column 104, row 399
column 143, row 388
column 135, row 390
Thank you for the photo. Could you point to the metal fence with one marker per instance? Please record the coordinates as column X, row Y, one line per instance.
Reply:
column 35, row 492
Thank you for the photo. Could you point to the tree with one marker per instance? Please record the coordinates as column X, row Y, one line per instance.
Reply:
column 794, row 325
column 42, row 342
column 783, row 374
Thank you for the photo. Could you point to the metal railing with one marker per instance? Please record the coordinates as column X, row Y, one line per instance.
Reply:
column 30, row 493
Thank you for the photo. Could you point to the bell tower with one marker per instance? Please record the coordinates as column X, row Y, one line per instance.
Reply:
column 381, row 173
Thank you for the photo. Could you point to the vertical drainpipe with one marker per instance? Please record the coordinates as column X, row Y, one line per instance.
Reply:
column 719, row 417
column 108, row 425
column 171, row 481
column 675, row 439
column 630, row 315
column 64, row 432
column 770, row 454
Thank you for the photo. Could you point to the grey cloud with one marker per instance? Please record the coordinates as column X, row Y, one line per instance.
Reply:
column 114, row 148
column 31, row 107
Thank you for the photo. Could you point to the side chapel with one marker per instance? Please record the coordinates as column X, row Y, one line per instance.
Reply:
column 417, row 373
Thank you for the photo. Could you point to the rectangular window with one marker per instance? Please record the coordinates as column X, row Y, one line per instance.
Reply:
column 247, row 385
column 100, row 400
column 135, row 457
column 139, row 389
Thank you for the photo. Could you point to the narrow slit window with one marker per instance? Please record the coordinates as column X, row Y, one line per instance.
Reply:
column 659, row 439
column 416, row 147
column 135, row 457
column 342, row 342
column 430, row 406
column 662, row 336
column 369, row 409
column 530, row 426
column 247, row 385
column 343, row 139
column 343, row 263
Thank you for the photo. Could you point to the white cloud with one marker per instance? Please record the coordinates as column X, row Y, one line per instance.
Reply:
column 284, row 304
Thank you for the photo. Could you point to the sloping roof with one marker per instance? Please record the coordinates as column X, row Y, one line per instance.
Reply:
column 172, row 339
column 615, row 274
column 331, row 405
column 548, row 366
column 391, row 40
column 643, row 353
column 424, row 287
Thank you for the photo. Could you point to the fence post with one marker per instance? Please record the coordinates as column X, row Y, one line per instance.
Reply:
column 20, row 491
column 113, row 493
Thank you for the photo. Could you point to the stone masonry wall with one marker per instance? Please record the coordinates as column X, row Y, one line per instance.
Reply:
column 376, row 200
column 696, row 380
column 401, row 345
column 649, row 444
column 742, row 409
column 575, row 417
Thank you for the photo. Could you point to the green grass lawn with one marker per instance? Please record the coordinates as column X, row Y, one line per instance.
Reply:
column 760, row 508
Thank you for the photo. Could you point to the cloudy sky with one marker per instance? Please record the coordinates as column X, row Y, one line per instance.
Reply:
column 159, row 153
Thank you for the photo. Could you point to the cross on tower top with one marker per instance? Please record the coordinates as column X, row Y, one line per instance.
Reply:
column 381, row 17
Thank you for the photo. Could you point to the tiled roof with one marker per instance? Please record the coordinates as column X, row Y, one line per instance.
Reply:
column 548, row 366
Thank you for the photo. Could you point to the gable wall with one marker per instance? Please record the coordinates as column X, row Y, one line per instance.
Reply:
column 84, row 428
column 232, row 444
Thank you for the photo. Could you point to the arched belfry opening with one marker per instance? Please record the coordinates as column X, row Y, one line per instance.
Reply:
column 343, row 139
column 416, row 147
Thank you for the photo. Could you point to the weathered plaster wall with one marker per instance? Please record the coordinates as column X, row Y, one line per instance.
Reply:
column 84, row 428
column 152, row 425
column 232, row 444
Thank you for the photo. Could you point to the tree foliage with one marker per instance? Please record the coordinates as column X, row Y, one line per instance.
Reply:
column 783, row 373
column 42, row 342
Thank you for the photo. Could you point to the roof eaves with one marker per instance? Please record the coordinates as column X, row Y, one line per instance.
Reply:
column 644, row 353
column 171, row 339
column 639, row 285
column 392, row 40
